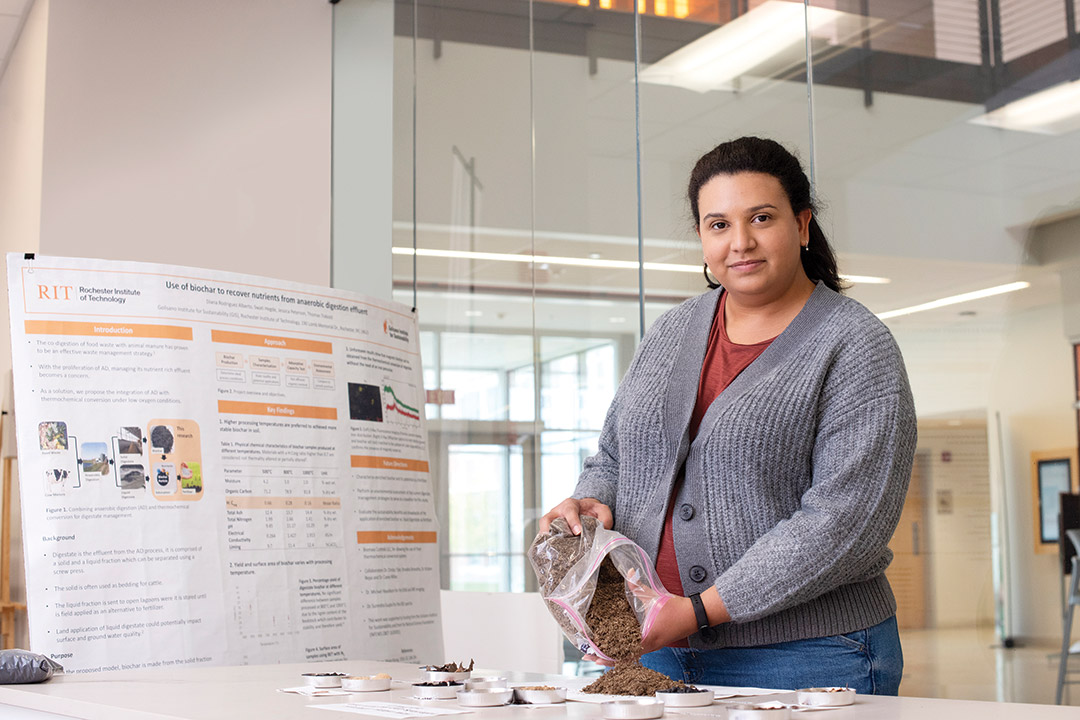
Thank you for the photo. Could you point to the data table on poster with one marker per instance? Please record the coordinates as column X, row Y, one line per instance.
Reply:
column 273, row 508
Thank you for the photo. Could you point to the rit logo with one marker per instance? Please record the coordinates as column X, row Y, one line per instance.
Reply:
column 54, row 292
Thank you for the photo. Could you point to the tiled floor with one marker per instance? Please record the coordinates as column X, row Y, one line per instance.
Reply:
column 966, row 664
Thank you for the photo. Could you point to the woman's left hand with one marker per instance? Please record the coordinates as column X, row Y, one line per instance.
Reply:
column 669, row 622
column 668, row 618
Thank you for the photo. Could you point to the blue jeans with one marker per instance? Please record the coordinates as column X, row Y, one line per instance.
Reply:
column 870, row 661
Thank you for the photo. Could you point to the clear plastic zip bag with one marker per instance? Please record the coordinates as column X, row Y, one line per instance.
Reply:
column 568, row 568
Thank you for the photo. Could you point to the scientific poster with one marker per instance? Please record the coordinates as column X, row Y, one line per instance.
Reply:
column 219, row 469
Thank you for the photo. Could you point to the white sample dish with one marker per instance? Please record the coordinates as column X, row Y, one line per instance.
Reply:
column 323, row 680
column 540, row 697
column 826, row 697
column 436, row 692
column 640, row 709
column 700, row 698
column 486, row 697
column 355, row 683
column 757, row 712
column 485, row 683
column 439, row 676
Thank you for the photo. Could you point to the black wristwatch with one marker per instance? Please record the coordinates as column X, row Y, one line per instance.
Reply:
column 699, row 612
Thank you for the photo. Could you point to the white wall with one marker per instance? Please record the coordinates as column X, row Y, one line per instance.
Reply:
column 193, row 133
column 22, row 123
column 1033, row 389
column 22, row 128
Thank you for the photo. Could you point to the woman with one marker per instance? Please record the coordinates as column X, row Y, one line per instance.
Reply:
column 759, row 449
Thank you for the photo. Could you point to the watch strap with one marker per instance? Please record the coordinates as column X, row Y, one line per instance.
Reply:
column 700, row 615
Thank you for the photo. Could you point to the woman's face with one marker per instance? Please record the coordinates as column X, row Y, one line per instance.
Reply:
column 750, row 236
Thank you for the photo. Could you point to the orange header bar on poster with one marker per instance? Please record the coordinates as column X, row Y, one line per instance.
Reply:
column 388, row 463
column 270, row 341
column 378, row 537
column 276, row 410
column 106, row 329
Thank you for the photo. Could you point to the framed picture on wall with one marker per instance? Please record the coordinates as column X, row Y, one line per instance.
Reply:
column 1052, row 472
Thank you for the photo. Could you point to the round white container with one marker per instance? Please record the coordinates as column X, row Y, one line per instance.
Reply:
column 438, row 676
column 757, row 712
column 639, row 709
column 540, row 697
column 687, row 699
column 486, row 697
column 826, row 697
column 436, row 692
column 485, row 683
column 365, row 684
column 323, row 680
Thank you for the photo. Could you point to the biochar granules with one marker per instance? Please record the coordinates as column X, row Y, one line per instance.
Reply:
column 615, row 628
column 617, row 634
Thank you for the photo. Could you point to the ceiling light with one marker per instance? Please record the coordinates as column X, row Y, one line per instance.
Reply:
column 774, row 33
column 866, row 279
column 474, row 313
column 954, row 299
column 1053, row 111
column 590, row 261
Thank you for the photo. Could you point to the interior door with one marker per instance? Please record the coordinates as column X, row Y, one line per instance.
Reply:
column 908, row 572
column 484, row 481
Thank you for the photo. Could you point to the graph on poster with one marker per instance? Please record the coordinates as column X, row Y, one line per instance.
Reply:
column 389, row 400
column 399, row 402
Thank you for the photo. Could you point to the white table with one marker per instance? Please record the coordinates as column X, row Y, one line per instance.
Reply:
column 238, row 693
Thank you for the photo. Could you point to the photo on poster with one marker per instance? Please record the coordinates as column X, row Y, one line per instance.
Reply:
column 130, row 441
column 190, row 477
column 132, row 477
column 95, row 459
column 164, row 479
column 56, row 481
column 53, row 435
column 161, row 439
column 365, row 402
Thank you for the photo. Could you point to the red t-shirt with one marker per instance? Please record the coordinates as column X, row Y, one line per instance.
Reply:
column 724, row 360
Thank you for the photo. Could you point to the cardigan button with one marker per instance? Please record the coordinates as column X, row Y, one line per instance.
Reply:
column 697, row 573
column 686, row 511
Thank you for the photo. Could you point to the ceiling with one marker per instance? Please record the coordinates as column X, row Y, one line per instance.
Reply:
column 911, row 190
column 916, row 149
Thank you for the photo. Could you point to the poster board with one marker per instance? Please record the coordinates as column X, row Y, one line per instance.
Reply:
column 219, row 469
column 1052, row 472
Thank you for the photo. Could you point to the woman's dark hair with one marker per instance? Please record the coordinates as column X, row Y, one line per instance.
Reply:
column 759, row 155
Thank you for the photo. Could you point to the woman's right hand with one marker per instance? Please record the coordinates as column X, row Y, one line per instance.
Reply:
column 571, row 510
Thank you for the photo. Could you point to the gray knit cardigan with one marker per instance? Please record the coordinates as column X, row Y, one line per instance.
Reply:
column 795, row 481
